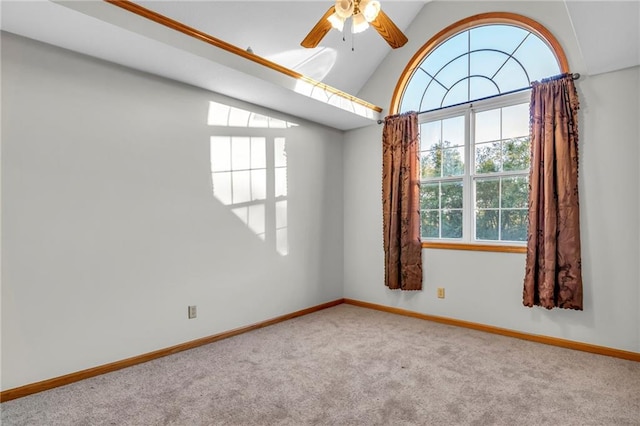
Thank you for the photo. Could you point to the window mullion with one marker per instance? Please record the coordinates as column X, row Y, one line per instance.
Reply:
column 440, row 208
column 440, row 175
column 467, row 199
column 500, row 209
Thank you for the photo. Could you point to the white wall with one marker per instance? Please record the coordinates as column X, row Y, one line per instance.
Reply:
column 110, row 228
column 487, row 287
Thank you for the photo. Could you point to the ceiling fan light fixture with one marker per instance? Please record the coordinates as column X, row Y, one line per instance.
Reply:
column 344, row 8
column 358, row 23
column 337, row 22
column 370, row 9
column 362, row 13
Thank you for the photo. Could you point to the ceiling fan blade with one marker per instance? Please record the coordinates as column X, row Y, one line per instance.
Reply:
column 389, row 31
column 318, row 32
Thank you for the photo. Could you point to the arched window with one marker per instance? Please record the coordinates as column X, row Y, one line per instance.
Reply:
column 470, row 84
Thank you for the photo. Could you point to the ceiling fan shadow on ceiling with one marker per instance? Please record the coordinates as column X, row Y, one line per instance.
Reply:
column 362, row 13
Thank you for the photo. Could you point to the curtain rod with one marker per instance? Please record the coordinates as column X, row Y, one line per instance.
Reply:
column 574, row 76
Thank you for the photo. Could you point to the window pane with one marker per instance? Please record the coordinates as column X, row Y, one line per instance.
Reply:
column 430, row 162
column 488, row 193
column 488, row 157
column 429, row 193
column 511, row 77
column 515, row 192
column 514, row 225
column 500, row 37
column 481, row 87
column 486, row 62
column 432, row 98
column 453, row 71
column 453, row 131
column 515, row 121
column 453, row 161
column 414, row 90
column 430, row 224
column 452, row 195
column 430, row 134
column 516, row 154
column 487, row 126
column 456, row 45
column 457, row 94
column 537, row 58
column 452, row 224
column 487, row 224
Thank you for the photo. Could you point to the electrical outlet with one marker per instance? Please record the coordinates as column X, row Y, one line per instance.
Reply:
column 192, row 312
column 440, row 292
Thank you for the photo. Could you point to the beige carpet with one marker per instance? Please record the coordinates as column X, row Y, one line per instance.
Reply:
column 351, row 366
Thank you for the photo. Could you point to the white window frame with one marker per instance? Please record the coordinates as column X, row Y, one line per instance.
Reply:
column 469, row 110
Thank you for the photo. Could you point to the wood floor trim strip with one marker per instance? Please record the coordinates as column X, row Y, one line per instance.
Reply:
column 554, row 341
column 44, row 385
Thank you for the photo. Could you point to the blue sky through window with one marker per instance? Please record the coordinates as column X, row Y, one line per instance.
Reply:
column 482, row 61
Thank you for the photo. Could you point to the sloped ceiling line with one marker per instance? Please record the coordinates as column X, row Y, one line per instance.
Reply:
column 202, row 36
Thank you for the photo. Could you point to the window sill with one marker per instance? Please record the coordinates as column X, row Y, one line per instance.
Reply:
column 474, row 247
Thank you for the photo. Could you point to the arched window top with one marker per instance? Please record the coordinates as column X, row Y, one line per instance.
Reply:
column 484, row 55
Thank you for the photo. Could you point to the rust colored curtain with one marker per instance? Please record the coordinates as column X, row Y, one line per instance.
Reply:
column 553, row 266
column 401, row 202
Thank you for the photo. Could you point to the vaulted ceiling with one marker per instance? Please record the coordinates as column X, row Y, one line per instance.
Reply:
column 606, row 31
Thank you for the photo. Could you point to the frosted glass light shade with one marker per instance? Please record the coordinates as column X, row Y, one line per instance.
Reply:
column 358, row 23
column 336, row 21
column 370, row 9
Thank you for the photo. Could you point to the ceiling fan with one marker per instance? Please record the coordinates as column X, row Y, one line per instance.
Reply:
column 362, row 13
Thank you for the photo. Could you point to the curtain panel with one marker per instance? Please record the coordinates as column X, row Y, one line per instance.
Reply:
column 553, row 275
column 401, row 202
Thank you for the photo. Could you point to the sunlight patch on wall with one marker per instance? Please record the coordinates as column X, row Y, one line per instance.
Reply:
column 280, row 175
column 249, row 174
column 320, row 93
column 238, row 171
column 228, row 116
column 314, row 63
